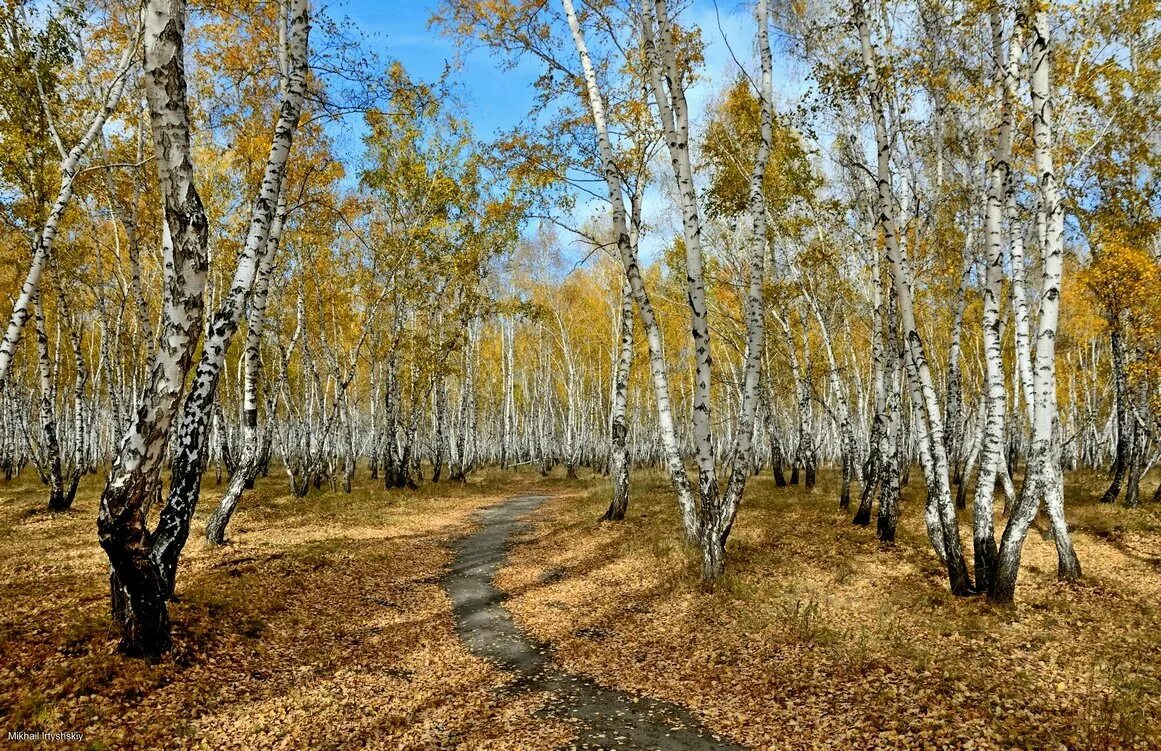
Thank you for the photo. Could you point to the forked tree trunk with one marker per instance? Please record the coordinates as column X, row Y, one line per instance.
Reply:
column 185, row 470
column 1043, row 478
column 999, row 180
column 657, row 365
column 667, row 83
column 931, row 433
column 138, row 588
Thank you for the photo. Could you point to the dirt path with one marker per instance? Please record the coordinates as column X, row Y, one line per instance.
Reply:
column 604, row 718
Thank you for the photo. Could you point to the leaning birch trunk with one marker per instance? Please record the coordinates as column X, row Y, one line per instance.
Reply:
column 918, row 367
column 619, row 430
column 248, row 463
column 1043, row 476
column 669, row 95
column 186, row 475
column 139, row 591
column 657, row 366
column 69, row 169
column 717, row 528
column 999, row 177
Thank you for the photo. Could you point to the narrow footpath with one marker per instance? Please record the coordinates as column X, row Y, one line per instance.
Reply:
column 604, row 718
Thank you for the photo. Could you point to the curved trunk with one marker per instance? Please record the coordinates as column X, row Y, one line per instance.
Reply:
column 138, row 588
column 628, row 254
column 189, row 443
column 1043, row 478
column 931, row 433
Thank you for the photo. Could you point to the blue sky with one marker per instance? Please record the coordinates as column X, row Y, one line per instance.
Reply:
column 496, row 99
column 499, row 98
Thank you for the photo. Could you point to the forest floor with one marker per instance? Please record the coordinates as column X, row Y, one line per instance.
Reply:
column 325, row 624
column 820, row 637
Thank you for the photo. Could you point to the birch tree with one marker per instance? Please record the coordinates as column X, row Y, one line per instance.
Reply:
column 185, row 482
column 999, row 178
column 932, row 432
column 139, row 589
column 1044, row 480
column 70, row 168
column 657, row 366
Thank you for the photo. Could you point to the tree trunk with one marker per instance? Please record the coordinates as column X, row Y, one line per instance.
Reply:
column 1124, row 445
column 999, row 180
column 618, row 449
column 1043, row 478
column 628, row 254
column 724, row 512
column 189, row 443
column 666, row 80
column 138, row 588
column 932, row 431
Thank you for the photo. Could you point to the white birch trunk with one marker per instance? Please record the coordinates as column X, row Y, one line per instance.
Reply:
column 1043, row 476
column 718, row 527
column 658, row 369
column 999, row 177
column 138, row 588
column 932, row 434
column 185, row 483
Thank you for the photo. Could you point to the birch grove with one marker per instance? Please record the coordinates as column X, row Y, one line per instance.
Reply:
column 908, row 247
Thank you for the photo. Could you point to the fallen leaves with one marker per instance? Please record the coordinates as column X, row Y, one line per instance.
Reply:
column 323, row 625
column 819, row 638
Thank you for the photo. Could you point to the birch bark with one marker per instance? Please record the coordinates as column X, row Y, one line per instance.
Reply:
column 717, row 528
column 248, row 463
column 186, row 476
column 658, row 369
column 139, row 591
column 999, row 177
column 918, row 367
column 1043, row 477
column 618, row 450
column 669, row 94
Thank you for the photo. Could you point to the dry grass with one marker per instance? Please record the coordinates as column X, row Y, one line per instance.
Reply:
column 819, row 637
column 323, row 626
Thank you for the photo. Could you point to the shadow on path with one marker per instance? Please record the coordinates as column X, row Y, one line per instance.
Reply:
column 604, row 718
